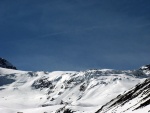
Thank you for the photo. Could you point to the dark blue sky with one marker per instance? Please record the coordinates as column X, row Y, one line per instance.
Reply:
column 75, row 34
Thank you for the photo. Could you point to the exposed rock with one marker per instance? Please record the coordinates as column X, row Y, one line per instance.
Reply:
column 5, row 64
column 146, row 67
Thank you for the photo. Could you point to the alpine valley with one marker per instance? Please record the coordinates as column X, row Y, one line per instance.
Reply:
column 89, row 91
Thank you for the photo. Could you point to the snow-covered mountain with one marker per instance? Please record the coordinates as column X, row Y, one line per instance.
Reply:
column 64, row 91
column 5, row 64
column 146, row 69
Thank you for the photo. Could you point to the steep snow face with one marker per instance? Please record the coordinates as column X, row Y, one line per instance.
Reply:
column 84, row 91
column 133, row 100
column 5, row 64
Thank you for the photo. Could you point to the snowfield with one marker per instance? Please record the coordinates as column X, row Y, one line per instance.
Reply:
column 54, row 92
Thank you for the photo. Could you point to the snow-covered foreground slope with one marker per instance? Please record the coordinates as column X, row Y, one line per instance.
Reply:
column 136, row 100
column 54, row 92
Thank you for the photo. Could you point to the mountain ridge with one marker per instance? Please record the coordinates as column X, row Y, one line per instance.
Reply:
column 66, row 91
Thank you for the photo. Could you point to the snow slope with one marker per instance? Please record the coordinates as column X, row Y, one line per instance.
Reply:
column 136, row 100
column 54, row 92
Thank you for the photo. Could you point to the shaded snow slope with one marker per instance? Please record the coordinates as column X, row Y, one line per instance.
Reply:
column 84, row 91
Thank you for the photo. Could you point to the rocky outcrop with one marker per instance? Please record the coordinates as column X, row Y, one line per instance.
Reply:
column 146, row 67
column 5, row 64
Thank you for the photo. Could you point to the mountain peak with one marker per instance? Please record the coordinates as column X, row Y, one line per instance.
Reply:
column 5, row 64
column 145, row 67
